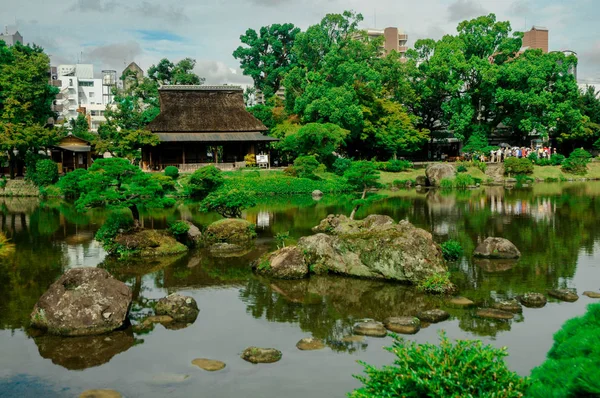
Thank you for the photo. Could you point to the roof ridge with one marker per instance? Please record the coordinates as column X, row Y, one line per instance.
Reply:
column 199, row 87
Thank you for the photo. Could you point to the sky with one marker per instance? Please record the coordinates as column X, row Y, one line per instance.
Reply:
column 112, row 33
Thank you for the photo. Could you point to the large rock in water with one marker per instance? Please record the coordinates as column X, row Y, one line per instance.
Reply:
column 285, row 263
column 230, row 230
column 497, row 248
column 375, row 247
column 84, row 301
column 437, row 171
column 151, row 243
column 180, row 308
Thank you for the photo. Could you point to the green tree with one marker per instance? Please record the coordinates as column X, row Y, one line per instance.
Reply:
column 205, row 180
column 80, row 128
column 267, row 55
column 168, row 73
column 362, row 175
column 320, row 140
column 228, row 203
column 117, row 184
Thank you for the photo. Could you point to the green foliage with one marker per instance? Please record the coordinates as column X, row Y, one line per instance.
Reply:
column 280, row 184
column 205, row 180
column 69, row 183
column 462, row 181
column 437, row 284
column 451, row 250
column 463, row 369
column 281, row 238
column 166, row 183
column 228, row 203
column 115, row 224
column 513, row 165
column 3, row 182
column 362, row 175
column 480, row 165
column 80, row 127
column 45, row 173
column 577, row 162
column 573, row 365
column 305, row 167
column 250, row 160
column 340, row 166
column 168, row 73
column 394, row 166
column 447, row 183
column 461, row 168
column 179, row 229
column 172, row 171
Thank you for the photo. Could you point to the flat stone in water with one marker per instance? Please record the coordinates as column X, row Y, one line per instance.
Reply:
column 169, row 378
column 590, row 294
column 261, row 355
column 353, row 339
column 569, row 295
column 403, row 324
column 433, row 316
column 493, row 313
column 508, row 305
column 533, row 300
column 371, row 328
column 310, row 343
column 100, row 394
column 461, row 302
column 208, row 364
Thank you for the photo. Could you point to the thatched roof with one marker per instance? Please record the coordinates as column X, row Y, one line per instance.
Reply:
column 203, row 109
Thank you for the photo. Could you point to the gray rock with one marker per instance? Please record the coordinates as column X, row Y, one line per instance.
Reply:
column 532, row 300
column 310, row 344
column 285, row 263
column 100, row 394
column 422, row 181
column 180, row 308
column 230, row 230
column 569, row 295
column 317, row 193
column 208, row 364
column 404, row 324
column 493, row 313
column 370, row 328
column 590, row 294
column 433, row 316
column 508, row 305
column 437, row 171
column 261, row 355
column 496, row 248
column 83, row 301
column 194, row 235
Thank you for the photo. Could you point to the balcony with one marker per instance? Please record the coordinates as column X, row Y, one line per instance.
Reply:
column 402, row 49
column 402, row 37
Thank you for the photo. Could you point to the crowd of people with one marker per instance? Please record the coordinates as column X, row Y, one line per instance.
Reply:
column 501, row 154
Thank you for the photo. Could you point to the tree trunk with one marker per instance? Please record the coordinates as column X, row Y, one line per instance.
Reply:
column 364, row 194
column 136, row 216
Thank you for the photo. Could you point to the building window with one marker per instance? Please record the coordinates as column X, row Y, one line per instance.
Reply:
column 86, row 84
column 71, row 82
column 91, row 94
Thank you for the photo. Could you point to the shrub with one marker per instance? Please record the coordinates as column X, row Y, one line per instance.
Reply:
column 306, row 166
column 46, row 173
column 447, row 183
column 250, row 160
column 290, row 171
column 452, row 250
column 340, row 166
column 573, row 365
column 518, row 166
column 462, row 181
column 69, row 183
column 172, row 171
column 281, row 184
column 461, row 168
column 205, row 180
column 179, row 228
column 50, row 191
column 228, row 203
column 557, row 159
column 461, row 369
column 480, row 165
column 577, row 162
column 533, row 157
column 114, row 225
column 3, row 182
column 437, row 284
column 167, row 183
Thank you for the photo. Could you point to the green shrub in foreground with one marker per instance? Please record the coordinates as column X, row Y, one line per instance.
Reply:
column 461, row 369
column 172, row 171
column 179, row 228
column 115, row 224
column 451, row 250
column 573, row 365
column 514, row 166
column 205, row 180
column 577, row 162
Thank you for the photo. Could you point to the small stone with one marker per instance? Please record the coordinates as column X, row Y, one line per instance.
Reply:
column 310, row 343
column 533, row 300
column 433, row 316
column 569, row 295
column 353, row 339
column 493, row 313
column 508, row 305
column 370, row 328
column 106, row 315
column 208, row 364
column 590, row 294
column 404, row 324
column 461, row 302
column 261, row 355
column 100, row 394
column 317, row 193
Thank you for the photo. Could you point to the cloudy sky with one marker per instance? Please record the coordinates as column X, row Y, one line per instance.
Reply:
column 112, row 33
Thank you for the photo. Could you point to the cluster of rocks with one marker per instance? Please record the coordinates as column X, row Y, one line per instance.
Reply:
column 401, row 324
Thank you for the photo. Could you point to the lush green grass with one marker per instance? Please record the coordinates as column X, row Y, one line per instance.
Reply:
column 275, row 182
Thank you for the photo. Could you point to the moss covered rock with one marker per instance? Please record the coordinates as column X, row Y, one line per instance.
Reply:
column 230, row 230
column 285, row 263
column 150, row 243
column 180, row 308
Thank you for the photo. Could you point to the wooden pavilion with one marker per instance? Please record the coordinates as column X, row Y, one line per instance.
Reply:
column 200, row 125
column 72, row 153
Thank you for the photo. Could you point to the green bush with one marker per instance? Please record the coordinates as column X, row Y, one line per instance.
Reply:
column 340, row 166
column 452, row 250
column 462, row 181
column 573, row 365
column 394, row 165
column 461, row 369
column 480, row 165
column 69, row 183
column 205, row 180
column 461, row 168
column 557, row 159
column 46, row 173
column 281, row 184
column 179, row 228
column 577, row 162
column 172, row 171
column 514, row 166
column 114, row 225
column 305, row 167
column 167, row 183
column 228, row 203
column 437, row 284
column 447, row 183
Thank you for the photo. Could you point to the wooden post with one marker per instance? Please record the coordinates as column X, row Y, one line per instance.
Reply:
column 183, row 152
column 151, row 165
column 74, row 161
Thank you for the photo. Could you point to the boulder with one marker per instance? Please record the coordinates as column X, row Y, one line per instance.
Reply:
column 590, row 294
column 83, row 301
column 310, row 344
column 370, row 328
column 422, row 181
column 533, row 300
column 433, row 316
column 437, row 171
column 403, row 324
column 375, row 247
column 100, row 394
column 150, row 243
column 316, row 193
column 261, row 355
column 208, row 364
column 180, row 308
column 493, row 313
column 285, row 263
column 508, row 306
column 193, row 235
column 230, row 230
column 569, row 295
column 497, row 248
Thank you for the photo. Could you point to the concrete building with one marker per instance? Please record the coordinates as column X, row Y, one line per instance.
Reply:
column 395, row 39
column 536, row 38
column 259, row 97
column 11, row 37
column 130, row 74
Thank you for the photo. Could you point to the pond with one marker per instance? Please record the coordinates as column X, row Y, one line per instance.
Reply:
column 556, row 227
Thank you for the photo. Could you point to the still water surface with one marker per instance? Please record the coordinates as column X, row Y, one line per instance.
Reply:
column 556, row 227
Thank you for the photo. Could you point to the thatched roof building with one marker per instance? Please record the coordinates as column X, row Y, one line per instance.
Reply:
column 201, row 122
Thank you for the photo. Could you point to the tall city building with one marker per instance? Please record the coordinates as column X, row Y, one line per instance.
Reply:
column 395, row 39
column 10, row 38
column 536, row 38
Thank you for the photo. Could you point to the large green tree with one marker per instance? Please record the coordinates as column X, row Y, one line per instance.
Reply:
column 182, row 72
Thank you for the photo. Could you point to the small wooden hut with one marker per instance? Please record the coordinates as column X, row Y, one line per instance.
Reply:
column 72, row 153
column 200, row 125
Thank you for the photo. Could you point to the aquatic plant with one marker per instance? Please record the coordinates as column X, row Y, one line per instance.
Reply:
column 437, row 284
column 451, row 250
